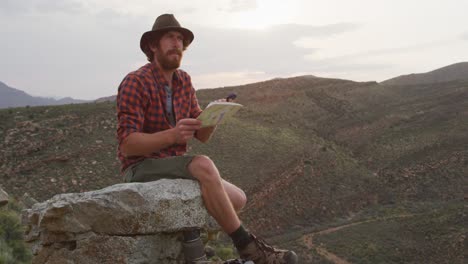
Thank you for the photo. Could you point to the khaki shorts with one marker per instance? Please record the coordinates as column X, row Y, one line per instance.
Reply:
column 156, row 169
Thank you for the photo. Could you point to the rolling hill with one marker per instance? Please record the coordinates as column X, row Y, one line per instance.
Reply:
column 454, row 72
column 313, row 154
column 11, row 97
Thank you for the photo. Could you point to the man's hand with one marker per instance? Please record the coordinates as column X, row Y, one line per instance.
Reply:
column 185, row 129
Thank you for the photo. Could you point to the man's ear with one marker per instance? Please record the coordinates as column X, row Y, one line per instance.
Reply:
column 153, row 46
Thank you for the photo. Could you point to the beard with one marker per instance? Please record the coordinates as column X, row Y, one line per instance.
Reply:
column 168, row 63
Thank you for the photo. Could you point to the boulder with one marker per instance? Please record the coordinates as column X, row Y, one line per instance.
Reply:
column 123, row 223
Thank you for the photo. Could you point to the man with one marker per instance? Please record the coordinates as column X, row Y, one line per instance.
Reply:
column 157, row 111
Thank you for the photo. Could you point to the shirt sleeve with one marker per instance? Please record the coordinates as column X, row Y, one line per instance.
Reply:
column 131, row 103
column 195, row 109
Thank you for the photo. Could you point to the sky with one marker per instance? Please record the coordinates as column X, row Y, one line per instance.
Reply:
column 84, row 48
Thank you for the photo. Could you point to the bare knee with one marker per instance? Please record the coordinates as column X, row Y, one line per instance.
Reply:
column 236, row 195
column 204, row 169
column 240, row 201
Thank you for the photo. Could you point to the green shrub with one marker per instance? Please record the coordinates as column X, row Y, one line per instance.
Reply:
column 12, row 247
column 225, row 253
column 6, row 253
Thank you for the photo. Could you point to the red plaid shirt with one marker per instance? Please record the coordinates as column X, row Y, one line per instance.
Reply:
column 141, row 107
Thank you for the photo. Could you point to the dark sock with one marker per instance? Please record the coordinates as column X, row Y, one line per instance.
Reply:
column 241, row 237
column 191, row 235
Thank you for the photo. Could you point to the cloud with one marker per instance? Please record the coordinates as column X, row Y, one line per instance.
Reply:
column 69, row 55
column 14, row 7
column 220, row 79
column 240, row 6
column 465, row 36
column 361, row 55
column 86, row 55
column 271, row 50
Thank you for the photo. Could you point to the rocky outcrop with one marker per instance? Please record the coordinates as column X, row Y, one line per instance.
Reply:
column 3, row 197
column 123, row 223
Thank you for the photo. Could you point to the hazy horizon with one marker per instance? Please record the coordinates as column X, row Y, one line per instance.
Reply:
column 83, row 48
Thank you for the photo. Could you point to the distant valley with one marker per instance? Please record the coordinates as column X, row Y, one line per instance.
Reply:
column 362, row 172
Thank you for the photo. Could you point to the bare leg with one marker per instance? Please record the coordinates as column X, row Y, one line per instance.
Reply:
column 214, row 195
column 236, row 195
column 220, row 198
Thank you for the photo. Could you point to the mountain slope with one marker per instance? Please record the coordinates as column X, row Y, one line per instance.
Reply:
column 385, row 144
column 308, row 151
column 11, row 97
column 454, row 72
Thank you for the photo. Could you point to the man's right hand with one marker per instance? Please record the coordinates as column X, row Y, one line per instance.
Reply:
column 185, row 129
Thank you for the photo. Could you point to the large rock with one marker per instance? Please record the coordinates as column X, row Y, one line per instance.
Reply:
column 3, row 197
column 123, row 223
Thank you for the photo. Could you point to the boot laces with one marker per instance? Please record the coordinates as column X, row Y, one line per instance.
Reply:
column 264, row 247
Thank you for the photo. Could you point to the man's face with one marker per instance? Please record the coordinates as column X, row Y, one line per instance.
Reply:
column 169, row 51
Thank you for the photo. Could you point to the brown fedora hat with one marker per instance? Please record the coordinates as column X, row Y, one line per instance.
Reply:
column 164, row 23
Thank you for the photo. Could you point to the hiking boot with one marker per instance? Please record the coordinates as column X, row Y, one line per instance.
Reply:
column 261, row 253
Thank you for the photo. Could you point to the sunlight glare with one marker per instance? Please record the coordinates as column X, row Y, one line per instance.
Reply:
column 264, row 16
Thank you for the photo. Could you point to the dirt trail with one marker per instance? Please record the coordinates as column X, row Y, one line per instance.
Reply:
column 308, row 239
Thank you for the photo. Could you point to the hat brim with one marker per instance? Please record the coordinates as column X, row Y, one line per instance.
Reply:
column 147, row 36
